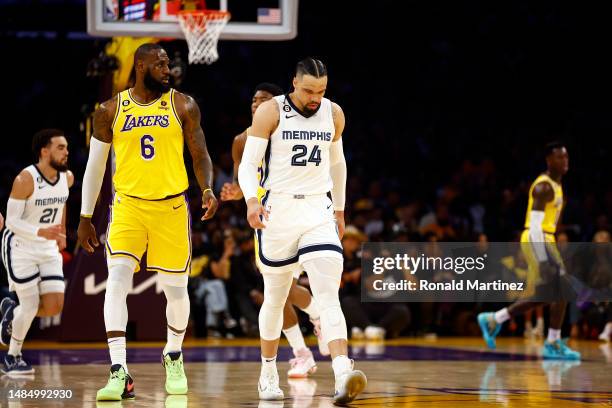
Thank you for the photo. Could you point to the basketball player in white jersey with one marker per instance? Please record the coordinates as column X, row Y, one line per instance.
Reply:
column 303, row 362
column 300, row 136
column 31, row 244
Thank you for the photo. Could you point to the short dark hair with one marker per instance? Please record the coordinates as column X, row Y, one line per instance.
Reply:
column 311, row 66
column 551, row 146
column 42, row 138
column 271, row 88
column 145, row 49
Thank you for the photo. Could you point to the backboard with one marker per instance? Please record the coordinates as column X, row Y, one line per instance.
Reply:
column 267, row 20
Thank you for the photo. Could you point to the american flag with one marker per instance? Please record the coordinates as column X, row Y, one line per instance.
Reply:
column 268, row 16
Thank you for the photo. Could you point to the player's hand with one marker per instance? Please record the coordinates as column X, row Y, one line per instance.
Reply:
column 254, row 212
column 231, row 191
column 53, row 233
column 340, row 222
column 61, row 244
column 210, row 203
column 87, row 235
column 1, row 221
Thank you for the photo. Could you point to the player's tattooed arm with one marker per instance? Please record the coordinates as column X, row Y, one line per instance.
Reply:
column 103, row 120
column 99, row 148
column 189, row 112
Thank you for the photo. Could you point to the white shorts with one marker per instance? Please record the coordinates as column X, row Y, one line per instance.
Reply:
column 299, row 228
column 30, row 263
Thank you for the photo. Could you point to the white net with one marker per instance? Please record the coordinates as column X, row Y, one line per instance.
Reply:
column 202, row 30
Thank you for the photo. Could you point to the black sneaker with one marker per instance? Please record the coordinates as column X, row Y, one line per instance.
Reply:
column 15, row 366
column 7, row 306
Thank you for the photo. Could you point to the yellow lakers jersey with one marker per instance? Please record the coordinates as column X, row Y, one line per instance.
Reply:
column 552, row 210
column 148, row 144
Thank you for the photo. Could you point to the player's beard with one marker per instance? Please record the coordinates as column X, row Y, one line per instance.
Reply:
column 309, row 111
column 154, row 85
column 58, row 165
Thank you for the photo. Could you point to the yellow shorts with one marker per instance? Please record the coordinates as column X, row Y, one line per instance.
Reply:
column 533, row 274
column 161, row 228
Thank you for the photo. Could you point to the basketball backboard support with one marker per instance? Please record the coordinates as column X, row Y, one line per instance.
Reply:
column 262, row 20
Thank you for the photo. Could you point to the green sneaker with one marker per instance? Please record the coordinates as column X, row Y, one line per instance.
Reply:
column 176, row 381
column 119, row 386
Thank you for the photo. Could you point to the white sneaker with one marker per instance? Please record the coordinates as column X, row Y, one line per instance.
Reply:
column 268, row 387
column 374, row 333
column 356, row 333
column 323, row 348
column 349, row 385
column 302, row 365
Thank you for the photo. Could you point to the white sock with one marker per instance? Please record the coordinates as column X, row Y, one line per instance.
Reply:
column 177, row 316
column 295, row 338
column 502, row 315
column 15, row 347
column 268, row 365
column 23, row 315
column 341, row 364
column 311, row 310
column 116, row 347
column 553, row 335
column 174, row 342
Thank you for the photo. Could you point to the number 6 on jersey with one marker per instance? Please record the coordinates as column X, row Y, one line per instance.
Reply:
column 147, row 151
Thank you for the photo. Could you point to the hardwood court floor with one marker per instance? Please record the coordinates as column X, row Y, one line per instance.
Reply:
column 404, row 373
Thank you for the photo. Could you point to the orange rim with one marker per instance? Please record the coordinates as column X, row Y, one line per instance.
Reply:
column 209, row 14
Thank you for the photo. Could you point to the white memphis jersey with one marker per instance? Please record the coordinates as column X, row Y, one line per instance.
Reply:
column 297, row 157
column 45, row 206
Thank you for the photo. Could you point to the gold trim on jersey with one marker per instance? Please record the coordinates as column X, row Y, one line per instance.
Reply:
column 173, row 104
column 117, row 110
column 142, row 104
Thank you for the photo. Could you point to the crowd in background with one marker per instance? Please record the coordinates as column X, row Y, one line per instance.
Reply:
column 442, row 146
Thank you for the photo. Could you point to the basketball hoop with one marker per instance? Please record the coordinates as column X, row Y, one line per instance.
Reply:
column 202, row 29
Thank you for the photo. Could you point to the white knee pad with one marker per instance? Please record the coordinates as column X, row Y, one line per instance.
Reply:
column 324, row 275
column 118, row 285
column 177, row 306
column 276, row 290
column 29, row 301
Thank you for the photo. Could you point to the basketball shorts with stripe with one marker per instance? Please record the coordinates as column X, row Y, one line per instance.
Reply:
column 298, row 228
column 30, row 263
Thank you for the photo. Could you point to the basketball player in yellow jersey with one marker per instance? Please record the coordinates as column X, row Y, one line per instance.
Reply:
column 538, row 244
column 148, row 126
column 303, row 362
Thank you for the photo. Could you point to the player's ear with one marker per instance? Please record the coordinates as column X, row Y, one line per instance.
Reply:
column 295, row 82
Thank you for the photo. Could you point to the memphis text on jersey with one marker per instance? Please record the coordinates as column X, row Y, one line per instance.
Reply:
column 306, row 135
column 50, row 201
